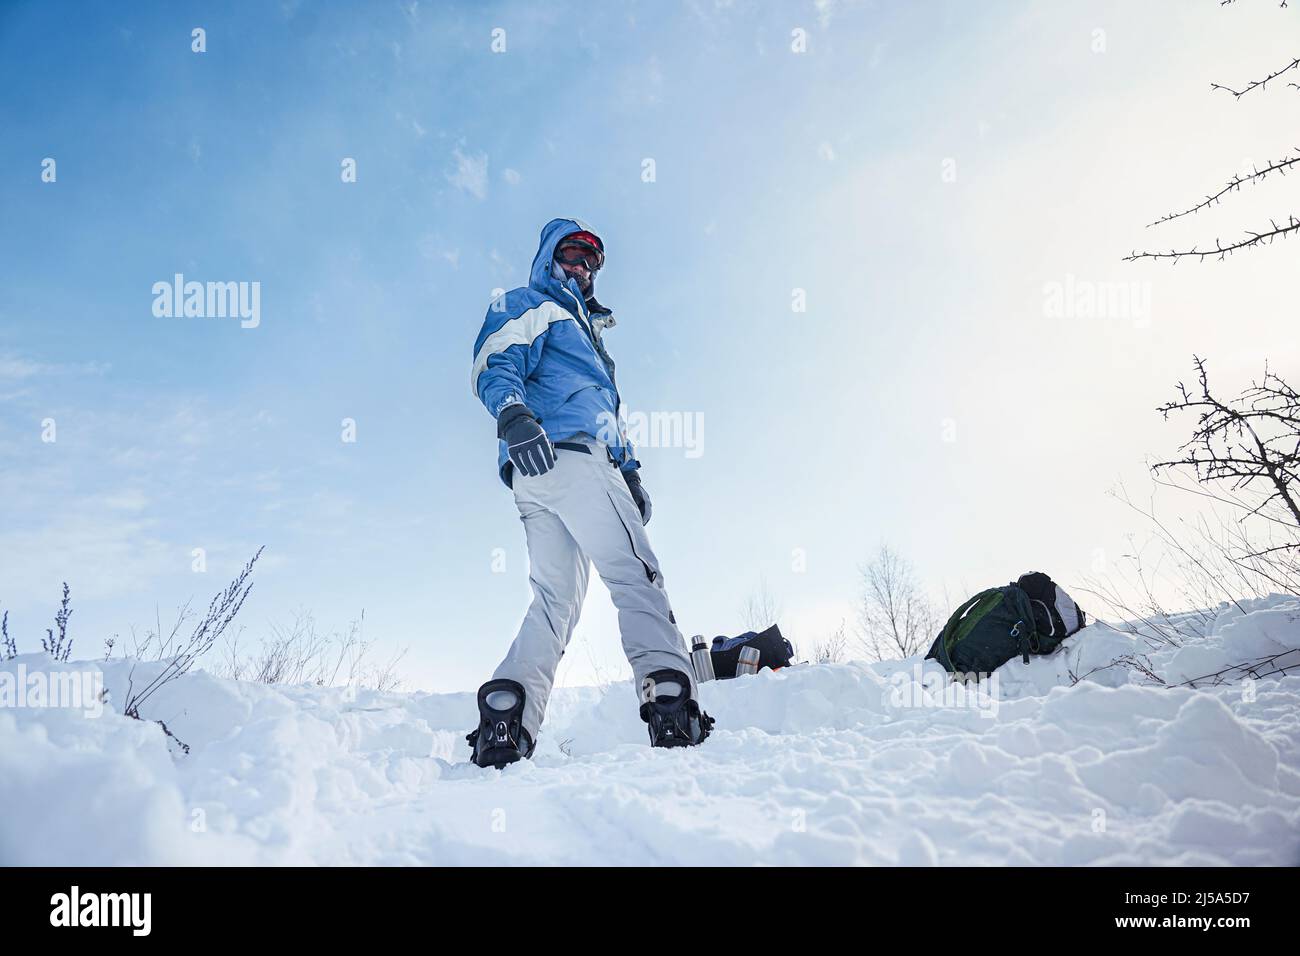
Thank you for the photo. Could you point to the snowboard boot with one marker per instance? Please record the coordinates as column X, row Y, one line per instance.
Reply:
column 673, row 716
column 500, row 738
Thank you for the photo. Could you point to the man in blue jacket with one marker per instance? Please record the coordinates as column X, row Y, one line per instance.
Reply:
column 541, row 369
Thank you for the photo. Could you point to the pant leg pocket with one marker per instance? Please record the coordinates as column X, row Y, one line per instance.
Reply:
column 650, row 573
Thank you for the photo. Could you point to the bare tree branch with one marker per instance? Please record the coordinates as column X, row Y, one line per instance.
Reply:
column 1235, row 183
column 1252, row 238
column 1255, row 440
column 1258, row 84
column 1221, row 251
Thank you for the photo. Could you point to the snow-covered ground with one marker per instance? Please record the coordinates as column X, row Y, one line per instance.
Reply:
column 818, row 764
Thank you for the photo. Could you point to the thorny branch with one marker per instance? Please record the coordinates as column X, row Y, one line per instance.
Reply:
column 1252, row 441
column 1220, row 250
column 1268, row 666
column 1252, row 238
column 1235, row 183
column 1258, row 84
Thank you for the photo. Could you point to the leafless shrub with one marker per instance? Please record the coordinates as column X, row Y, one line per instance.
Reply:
column 760, row 609
column 1159, row 565
column 1270, row 665
column 896, row 618
column 604, row 674
column 1173, row 585
column 1247, row 444
column 1139, row 663
column 221, row 612
column 155, row 645
column 1136, row 662
column 383, row 678
column 299, row 654
column 1242, row 462
column 834, row 648
column 296, row 654
column 59, row 646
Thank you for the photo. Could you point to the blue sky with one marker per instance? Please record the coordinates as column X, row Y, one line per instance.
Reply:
column 923, row 172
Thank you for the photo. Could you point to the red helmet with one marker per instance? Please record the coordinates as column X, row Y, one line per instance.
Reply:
column 584, row 247
column 590, row 238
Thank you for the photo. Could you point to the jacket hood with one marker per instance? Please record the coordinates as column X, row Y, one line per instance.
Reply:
column 540, row 277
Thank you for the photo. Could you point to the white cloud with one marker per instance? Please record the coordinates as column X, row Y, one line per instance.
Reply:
column 16, row 368
column 826, row 151
column 471, row 173
column 412, row 122
column 511, row 176
column 433, row 247
column 101, row 552
column 128, row 500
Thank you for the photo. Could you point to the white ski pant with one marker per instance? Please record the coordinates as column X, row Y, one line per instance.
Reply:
column 577, row 514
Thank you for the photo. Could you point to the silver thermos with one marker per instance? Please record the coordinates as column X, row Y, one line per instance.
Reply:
column 748, row 663
column 701, row 659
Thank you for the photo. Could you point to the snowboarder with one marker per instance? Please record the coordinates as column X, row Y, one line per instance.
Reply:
column 541, row 369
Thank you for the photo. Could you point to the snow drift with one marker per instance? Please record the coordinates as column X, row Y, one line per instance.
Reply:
column 818, row 764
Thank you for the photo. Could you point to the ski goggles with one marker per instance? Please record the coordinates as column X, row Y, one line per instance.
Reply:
column 580, row 253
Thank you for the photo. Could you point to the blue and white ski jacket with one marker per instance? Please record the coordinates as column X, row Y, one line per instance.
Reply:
column 540, row 345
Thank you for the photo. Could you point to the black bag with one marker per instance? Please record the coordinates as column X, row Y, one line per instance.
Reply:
column 1032, row 615
column 774, row 651
column 1056, row 615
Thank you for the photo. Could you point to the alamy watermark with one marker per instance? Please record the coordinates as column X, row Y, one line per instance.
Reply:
column 939, row 689
column 683, row 430
column 1083, row 299
column 209, row 300
column 68, row 689
column 130, row 910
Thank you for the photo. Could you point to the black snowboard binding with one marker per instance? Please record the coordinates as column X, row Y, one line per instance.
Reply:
column 500, row 738
column 674, row 717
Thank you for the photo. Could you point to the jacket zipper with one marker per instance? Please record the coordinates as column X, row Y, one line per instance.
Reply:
column 585, row 321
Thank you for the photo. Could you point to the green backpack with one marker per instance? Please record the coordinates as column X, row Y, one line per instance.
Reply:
column 1032, row 615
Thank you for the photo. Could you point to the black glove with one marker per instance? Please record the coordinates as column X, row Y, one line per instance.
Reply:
column 529, row 449
column 639, row 495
